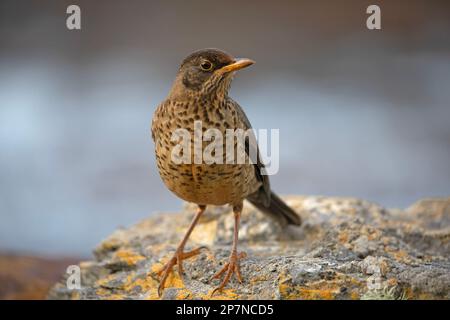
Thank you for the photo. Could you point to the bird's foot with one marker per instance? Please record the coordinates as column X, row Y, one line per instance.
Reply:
column 177, row 258
column 232, row 266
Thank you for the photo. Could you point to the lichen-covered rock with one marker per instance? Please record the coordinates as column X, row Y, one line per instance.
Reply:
column 345, row 249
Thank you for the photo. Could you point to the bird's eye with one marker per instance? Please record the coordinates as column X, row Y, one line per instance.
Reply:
column 206, row 65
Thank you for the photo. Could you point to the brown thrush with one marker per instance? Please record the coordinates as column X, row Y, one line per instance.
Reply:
column 200, row 93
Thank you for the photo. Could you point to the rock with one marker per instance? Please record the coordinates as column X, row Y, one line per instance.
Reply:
column 345, row 249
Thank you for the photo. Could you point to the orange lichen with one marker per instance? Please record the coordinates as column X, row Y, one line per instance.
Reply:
column 408, row 293
column 317, row 294
column 146, row 284
column 392, row 282
column 258, row 278
column 225, row 294
column 399, row 255
column 174, row 280
column 355, row 295
column 343, row 237
column 183, row 294
column 130, row 258
column 319, row 290
column 156, row 267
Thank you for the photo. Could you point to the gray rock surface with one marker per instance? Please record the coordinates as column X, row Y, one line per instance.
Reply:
column 345, row 249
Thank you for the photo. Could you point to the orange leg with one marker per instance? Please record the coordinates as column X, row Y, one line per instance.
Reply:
column 232, row 266
column 179, row 255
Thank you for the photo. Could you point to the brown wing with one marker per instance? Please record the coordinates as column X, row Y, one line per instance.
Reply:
column 265, row 199
column 251, row 147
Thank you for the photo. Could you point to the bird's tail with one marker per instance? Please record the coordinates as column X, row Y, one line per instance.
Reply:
column 277, row 209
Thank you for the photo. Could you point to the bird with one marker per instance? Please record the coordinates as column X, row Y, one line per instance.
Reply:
column 200, row 92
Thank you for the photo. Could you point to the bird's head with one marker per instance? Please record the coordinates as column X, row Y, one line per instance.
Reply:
column 205, row 72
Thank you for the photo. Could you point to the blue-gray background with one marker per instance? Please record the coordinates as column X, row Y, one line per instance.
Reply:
column 362, row 113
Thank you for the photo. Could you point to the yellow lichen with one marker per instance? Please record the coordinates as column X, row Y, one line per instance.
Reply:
column 157, row 267
column 183, row 294
column 399, row 255
column 75, row 295
column 174, row 280
column 146, row 284
column 319, row 290
column 354, row 295
column 258, row 279
column 130, row 258
column 225, row 294
column 317, row 294
column 104, row 281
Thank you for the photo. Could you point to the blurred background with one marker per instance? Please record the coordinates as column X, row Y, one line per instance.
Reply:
column 361, row 113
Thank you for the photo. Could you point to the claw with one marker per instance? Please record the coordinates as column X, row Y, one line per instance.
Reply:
column 177, row 258
column 231, row 267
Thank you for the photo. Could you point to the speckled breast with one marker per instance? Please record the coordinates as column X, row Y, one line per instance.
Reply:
column 208, row 184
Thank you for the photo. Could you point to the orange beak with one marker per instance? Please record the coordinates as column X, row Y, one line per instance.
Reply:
column 237, row 65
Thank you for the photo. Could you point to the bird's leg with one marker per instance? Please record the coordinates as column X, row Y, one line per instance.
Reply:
column 179, row 255
column 232, row 266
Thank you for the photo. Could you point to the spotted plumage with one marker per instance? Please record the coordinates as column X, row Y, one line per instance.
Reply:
column 215, row 184
column 200, row 93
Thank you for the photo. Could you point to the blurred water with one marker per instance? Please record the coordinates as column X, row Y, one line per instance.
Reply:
column 73, row 173
column 359, row 118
